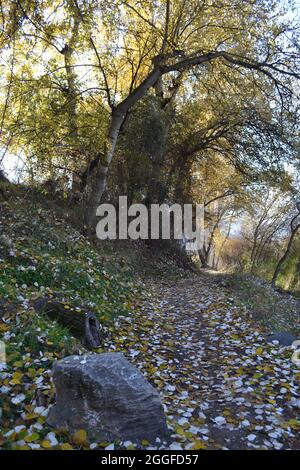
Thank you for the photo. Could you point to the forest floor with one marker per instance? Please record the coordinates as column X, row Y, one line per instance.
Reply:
column 222, row 384
column 192, row 335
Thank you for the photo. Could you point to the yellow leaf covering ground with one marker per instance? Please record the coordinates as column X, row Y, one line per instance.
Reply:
column 222, row 384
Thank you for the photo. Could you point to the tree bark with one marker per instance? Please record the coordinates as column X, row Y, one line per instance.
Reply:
column 294, row 230
column 205, row 251
column 72, row 114
column 83, row 325
column 99, row 182
column 285, row 256
column 203, row 255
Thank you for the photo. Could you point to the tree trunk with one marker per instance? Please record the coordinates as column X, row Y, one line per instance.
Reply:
column 83, row 325
column 71, row 93
column 155, row 193
column 183, row 184
column 72, row 115
column 284, row 257
column 67, row 52
column 119, row 112
column 203, row 255
column 294, row 230
column 100, row 180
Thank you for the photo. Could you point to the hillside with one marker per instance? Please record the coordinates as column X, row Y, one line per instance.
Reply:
column 43, row 255
column 196, row 341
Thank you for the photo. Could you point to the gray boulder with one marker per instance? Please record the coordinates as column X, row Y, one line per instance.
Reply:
column 284, row 338
column 108, row 397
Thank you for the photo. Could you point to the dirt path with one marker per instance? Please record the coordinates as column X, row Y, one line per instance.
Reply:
column 222, row 385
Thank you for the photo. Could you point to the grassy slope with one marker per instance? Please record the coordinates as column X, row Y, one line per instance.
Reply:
column 274, row 310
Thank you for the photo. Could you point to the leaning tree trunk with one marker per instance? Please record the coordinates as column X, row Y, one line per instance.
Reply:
column 205, row 251
column 83, row 325
column 294, row 230
column 284, row 257
column 203, row 255
column 117, row 119
column 100, row 180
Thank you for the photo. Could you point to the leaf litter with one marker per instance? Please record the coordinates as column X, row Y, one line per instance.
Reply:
column 223, row 386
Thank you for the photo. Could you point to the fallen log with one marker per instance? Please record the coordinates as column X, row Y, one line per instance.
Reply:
column 83, row 325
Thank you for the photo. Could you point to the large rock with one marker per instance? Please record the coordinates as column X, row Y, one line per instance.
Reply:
column 108, row 397
column 284, row 338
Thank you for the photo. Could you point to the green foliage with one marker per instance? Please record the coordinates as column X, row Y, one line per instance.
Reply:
column 48, row 255
column 141, row 148
column 37, row 333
